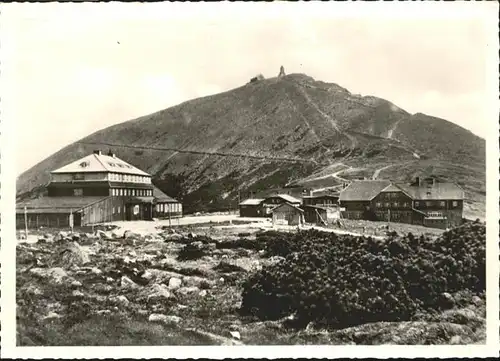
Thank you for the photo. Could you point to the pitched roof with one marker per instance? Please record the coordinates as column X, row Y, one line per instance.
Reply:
column 100, row 163
column 251, row 202
column 445, row 190
column 322, row 195
column 363, row 190
column 287, row 205
column 57, row 204
column 162, row 197
column 286, row 198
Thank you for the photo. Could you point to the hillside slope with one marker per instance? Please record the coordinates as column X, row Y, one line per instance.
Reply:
column 277, row 132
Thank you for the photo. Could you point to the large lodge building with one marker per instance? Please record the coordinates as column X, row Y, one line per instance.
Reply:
column 424, row 202
column 94, row 189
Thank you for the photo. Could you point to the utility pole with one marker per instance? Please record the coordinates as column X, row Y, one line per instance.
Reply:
column 71, row 220
column 26, row 222
column 169, row 216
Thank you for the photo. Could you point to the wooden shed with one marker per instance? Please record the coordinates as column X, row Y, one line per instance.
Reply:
column 251, row 207
column 287, row 213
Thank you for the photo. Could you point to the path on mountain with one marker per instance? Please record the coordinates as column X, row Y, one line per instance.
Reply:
column 221, row 154
column 378, row 170
column 330, row 120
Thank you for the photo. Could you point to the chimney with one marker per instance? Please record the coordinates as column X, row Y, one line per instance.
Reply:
column 417, row 181
column 98, row 152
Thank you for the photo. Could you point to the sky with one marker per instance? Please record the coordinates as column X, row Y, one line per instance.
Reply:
column 71, row 69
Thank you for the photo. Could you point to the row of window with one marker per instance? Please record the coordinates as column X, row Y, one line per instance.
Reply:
column 417, row 204
column 390, row 195
column 129, row 178
column 435, row 203
column 168, row 207
column 393, row 204
column 131, row 192
column 119, row 209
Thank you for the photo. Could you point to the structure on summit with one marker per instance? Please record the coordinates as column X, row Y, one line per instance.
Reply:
column 94, row 189
column 282, row 72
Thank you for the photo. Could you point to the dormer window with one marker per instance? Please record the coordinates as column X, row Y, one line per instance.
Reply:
column 84, row 164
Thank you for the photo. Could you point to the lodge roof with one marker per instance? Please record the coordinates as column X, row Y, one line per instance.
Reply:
column 286, row 205
column 251, row 202
column 162, row 197
column 363, row 190
column 366, row 190
column 286, row 198
column 56, row 204
column 444, row 190
column 100, row 163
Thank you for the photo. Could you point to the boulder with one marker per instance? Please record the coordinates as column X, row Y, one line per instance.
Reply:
column 120, row 300
column 196, row 281
column 165, row 319
column 101, row 234
column 73, row 254
column 76, row 284
column 174, row 283
column 158, row 291
column 188, row 290
column 77, row 294
column 51, row 316
column 126, row 282
column 203, row 293
column 116, row 234
column 56, row 274
column 61, row 236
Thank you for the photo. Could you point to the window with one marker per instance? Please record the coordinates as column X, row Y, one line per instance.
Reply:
column 455, row 204
column 417, row 204
column 428, row 204
column 78, row 192
column 119, row 210
column 78, row 176
column 387, row 204
column 396, row 204
column 113, row 210
column 442, row 203
column 133, row 192
column 405, row 205
column 136, row 209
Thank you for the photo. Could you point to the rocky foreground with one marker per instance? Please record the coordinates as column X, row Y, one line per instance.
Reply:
column 116, row 287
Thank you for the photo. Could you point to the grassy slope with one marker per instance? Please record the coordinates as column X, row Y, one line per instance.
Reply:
column 293, row 116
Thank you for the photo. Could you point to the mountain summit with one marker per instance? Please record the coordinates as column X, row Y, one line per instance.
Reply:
column 289, row 130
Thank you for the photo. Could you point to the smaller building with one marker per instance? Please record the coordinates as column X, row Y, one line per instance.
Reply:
column 321, row 199
column 315, row 215
column 166, row 206
column 269, row 203
column 251, row 207
column 287, row 214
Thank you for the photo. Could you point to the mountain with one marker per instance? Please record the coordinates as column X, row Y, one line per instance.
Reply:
column 285, row 131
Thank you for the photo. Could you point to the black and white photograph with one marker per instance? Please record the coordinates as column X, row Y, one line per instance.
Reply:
column 249, row 174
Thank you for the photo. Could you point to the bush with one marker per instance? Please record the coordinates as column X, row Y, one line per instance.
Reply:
column 191, row 252
column 342, row 281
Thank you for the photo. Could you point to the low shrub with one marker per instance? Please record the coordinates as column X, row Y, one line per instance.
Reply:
column 342, row 281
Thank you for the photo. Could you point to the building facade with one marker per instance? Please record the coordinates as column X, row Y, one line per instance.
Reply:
column 424, row 202
column 269, row 203
column 166, row 207
column 252, row 207
column 287, row 214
